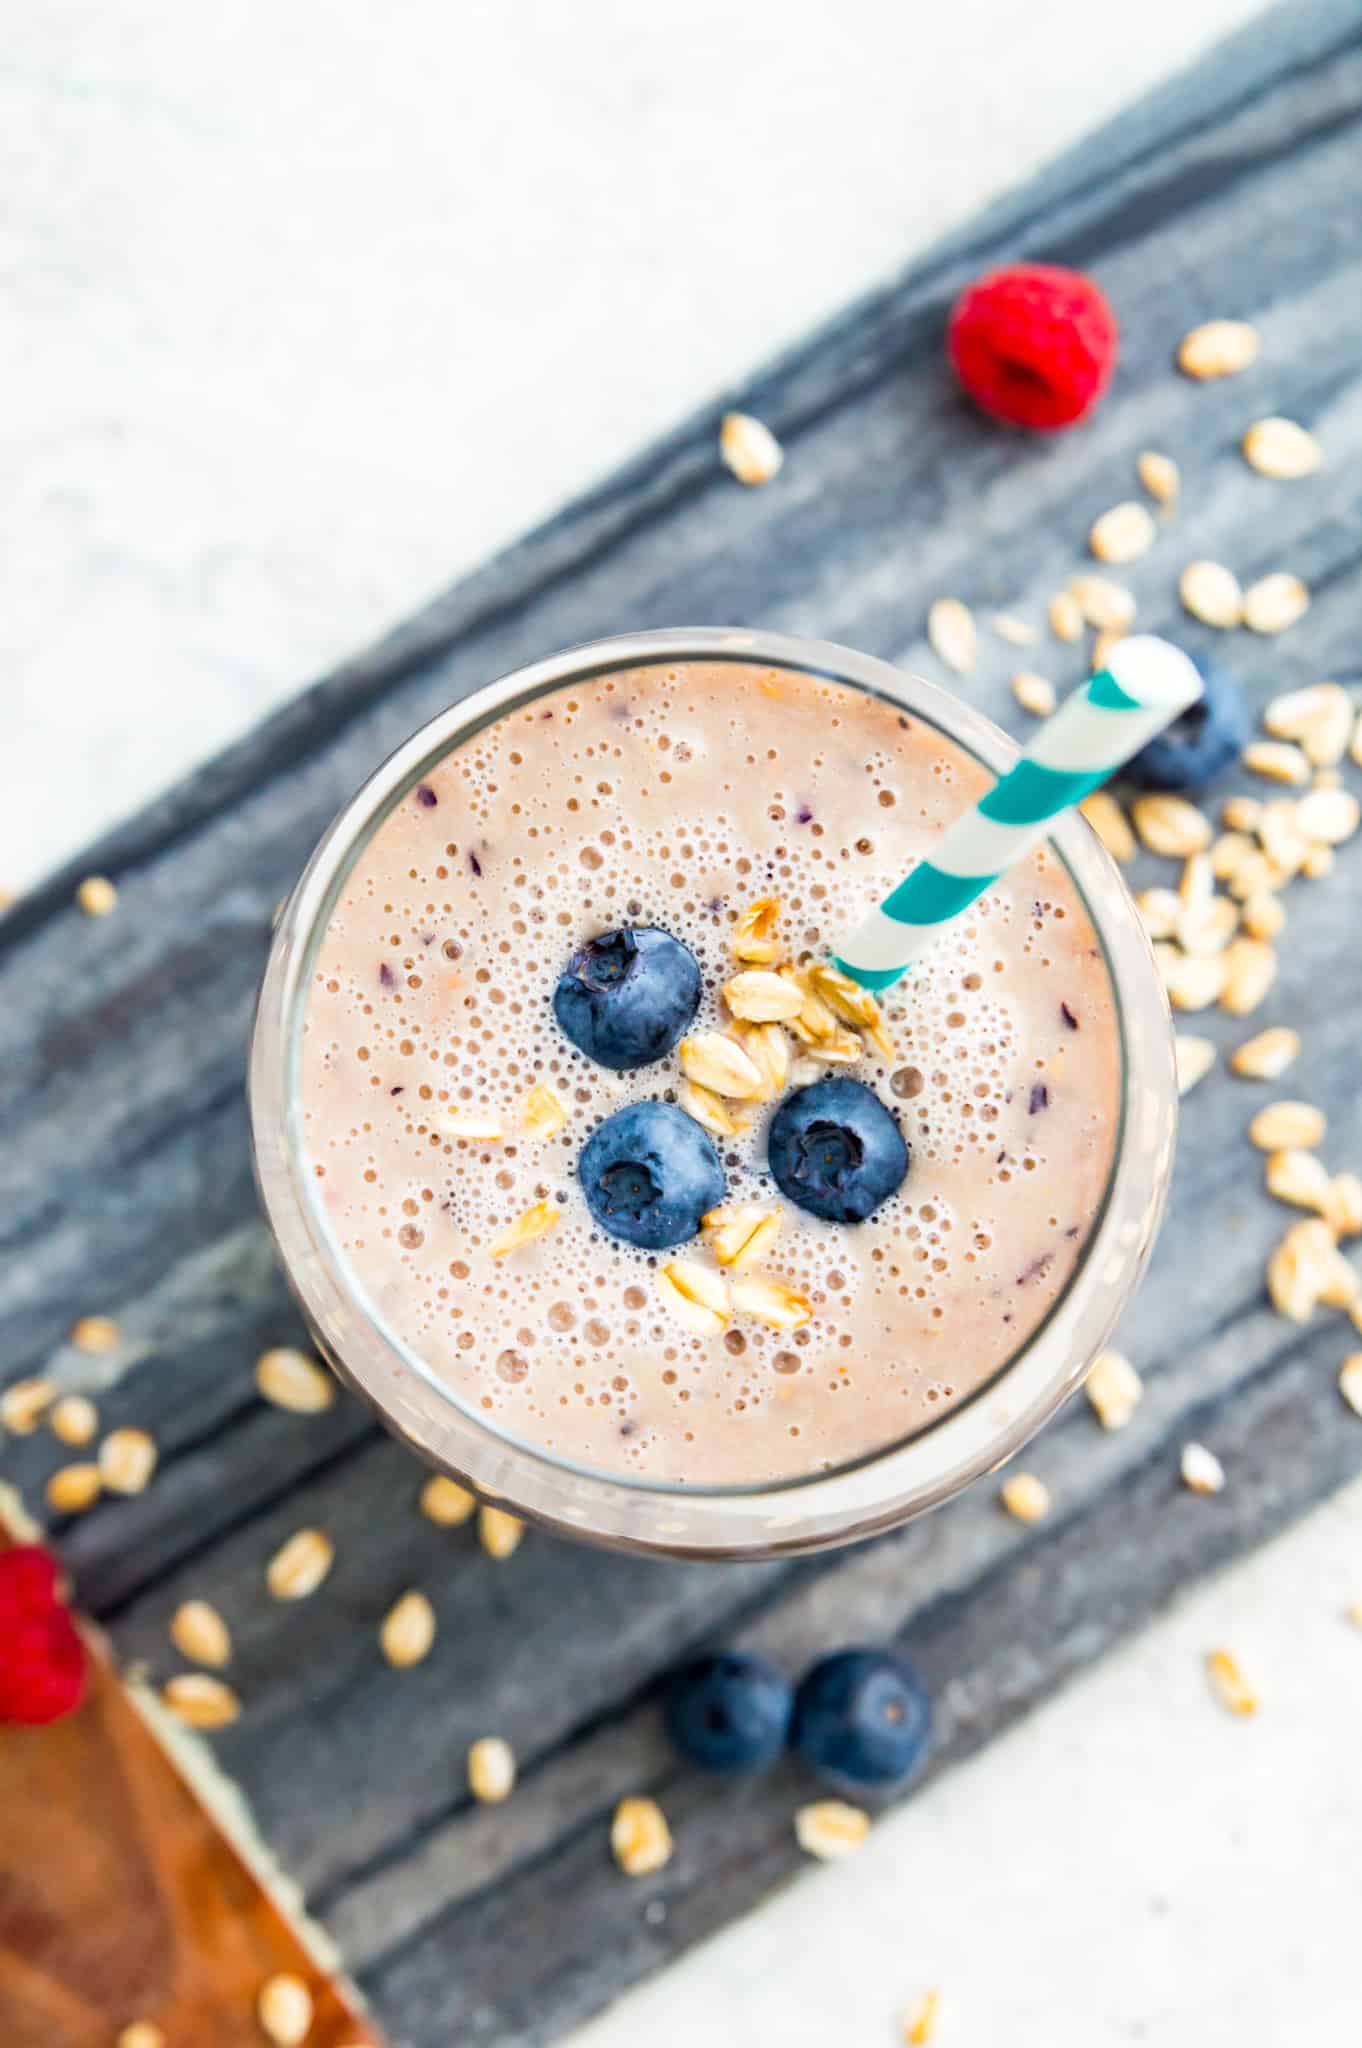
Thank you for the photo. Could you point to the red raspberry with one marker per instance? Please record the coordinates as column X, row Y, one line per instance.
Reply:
column 1033, row 344
column 42, row 1658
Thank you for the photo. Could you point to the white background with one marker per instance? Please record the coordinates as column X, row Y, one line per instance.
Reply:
column 308, row 308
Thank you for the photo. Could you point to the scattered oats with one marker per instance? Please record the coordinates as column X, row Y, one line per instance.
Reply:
column 476, row 1126
column 1102, row 646
column 1113, row 1386
column 951, row 634
column 919, row 2026
column 23, row 1406
column 1318, row 862
column 1124, row 533
column 1255, row 874
column 1328, row 816
column 1264, row 915
column 446, row 1502
column 718, row 1063
column 1343, row 1210
column 74, row 1419
column 749, row 448
column 1196, row 884
column 74, row 1489
column 141, row 2034
column 1066, row 620
column 753, row 939
column 830, row 1829
column 1280, row 448
column 757, row 996
column 1015, row 631
column 95, row 1333
column 1159, row 475
column 771, row 1302
column 769, row 1051
column 300, row 1565
column 1231, row 850
column 1276, row 761
column 1212, row 593
column 843, row 1049
column 199, row 1633
column 200, row 1701
column 815, row 1020
column 1275, row 602
column 1350, row 1382
column 1026, row 1497
column 1159, row 911
column 1319, row 717
column 1106, row 605
column 408, row 1631
column 491, row 1769
column 97, row 896
column 640, row 1840
column 695, row 1295
column 1232, row 1689
column 1201, row 1469
column 1281, row 838
column 1250, row 970
column 1109, row 822
column 1241, row 813
column 127, row 1459
column 1328, row 778
column 1194, row 980
column 1195, row 1057
column 292, row 1380
column 852, row 1003
column 499, row 1532
column 709, row 1110
column 741, row 1234
column 1218, row 348
column 1288, row 1126
column 1171, row 826
column 543, row 1113
column 539, row 1218
column 1034, row 693
column 284, row 2009
column 1307, row 1267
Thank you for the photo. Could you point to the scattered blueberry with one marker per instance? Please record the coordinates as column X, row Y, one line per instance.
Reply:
column 836, row 1151
column 1209, row 735
column 730, row 1713
column 862, row 1717
column 425, row 796
column 649, row 1174
column 625, row 998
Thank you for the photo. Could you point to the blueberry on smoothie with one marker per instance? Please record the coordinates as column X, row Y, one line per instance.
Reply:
column 649, row 1174
column 862, row 1717
column 729, row 1713
column 1208, row 736
column 836, row 1151
column 626, row 997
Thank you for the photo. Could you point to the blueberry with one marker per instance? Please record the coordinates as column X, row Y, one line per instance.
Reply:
column 836, row 1151
column 625, row 998
column 730, row 1713
column 649, row 1174
column 862, row 1717
column 1209, row 735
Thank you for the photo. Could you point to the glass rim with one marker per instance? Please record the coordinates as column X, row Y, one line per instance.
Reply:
column 805, row 1510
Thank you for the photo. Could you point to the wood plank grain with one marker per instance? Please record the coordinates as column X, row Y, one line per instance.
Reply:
column 124, row 1184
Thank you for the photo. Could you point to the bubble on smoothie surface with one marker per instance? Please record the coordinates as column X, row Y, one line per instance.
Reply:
column 674, row 799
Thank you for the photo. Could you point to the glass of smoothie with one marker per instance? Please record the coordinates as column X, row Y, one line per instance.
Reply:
column 610, row 1201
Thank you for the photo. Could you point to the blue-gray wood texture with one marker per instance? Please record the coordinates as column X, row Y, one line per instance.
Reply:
column 125, row 1188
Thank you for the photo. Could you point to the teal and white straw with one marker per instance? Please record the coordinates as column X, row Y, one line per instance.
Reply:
column 1146, row 684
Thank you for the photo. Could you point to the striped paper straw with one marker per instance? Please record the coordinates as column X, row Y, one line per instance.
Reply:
column 1145, row 685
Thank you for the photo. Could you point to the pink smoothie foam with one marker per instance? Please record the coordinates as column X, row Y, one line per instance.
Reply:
column 676, row 797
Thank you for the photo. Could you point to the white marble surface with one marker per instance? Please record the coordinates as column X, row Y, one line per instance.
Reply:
column 307, row 309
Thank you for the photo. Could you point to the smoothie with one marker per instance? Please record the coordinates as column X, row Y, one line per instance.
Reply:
column 751, row 814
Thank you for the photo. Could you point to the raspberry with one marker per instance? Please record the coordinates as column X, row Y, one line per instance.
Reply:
column 42, row 1658
column 1033, row 344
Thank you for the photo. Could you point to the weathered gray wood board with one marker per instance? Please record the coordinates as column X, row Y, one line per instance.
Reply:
column 124, row 1183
